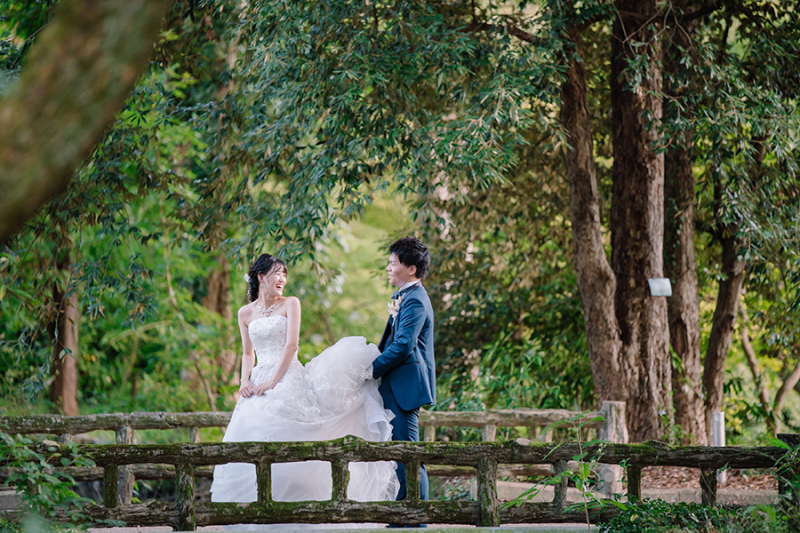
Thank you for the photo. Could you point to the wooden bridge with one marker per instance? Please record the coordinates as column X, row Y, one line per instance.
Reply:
column 484, row 459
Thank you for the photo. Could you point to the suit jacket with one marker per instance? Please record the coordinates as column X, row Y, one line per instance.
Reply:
column 407, row 361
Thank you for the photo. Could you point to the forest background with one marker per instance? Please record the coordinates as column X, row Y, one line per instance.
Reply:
column 553, row 154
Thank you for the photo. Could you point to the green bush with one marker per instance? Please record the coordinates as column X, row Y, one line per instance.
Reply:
column 658, row 516
column 45, row 491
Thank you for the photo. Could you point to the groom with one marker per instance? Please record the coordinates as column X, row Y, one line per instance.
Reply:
column 406, row 363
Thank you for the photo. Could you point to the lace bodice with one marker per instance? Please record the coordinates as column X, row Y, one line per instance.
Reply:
column 268, row 336
column 289, row 398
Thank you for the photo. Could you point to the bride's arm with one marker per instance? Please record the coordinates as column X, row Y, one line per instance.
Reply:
column 248, row 358
column 292, row 342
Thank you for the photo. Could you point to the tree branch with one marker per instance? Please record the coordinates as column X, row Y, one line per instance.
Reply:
column 76, row 79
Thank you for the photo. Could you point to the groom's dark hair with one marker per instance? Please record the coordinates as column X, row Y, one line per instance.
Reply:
column 411, row 252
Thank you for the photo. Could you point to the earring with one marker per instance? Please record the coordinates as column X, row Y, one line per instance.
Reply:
column 262, row 286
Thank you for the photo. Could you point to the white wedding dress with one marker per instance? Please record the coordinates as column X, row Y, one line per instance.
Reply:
column 327, row 399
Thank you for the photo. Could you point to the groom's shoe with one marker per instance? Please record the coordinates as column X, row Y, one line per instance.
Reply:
column 398, row 526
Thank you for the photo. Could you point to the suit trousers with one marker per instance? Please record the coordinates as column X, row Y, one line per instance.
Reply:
column 405, row 427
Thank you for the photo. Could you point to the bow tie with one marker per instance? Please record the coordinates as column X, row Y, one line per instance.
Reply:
column 398, row 294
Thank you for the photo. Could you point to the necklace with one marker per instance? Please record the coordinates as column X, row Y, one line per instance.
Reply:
column 266, row 312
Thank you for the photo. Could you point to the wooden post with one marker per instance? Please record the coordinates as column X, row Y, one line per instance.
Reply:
column 412, row 482
column 708, row 484
column 341, row 479
column 194, row 435
column 110, row 479
column 429, row 433
column 487, row 492
column 126, row 478
column 560, row 488
column 184, row 497
column 614, row 429
column 634, row 483
column 264, row 482
column 489, row 432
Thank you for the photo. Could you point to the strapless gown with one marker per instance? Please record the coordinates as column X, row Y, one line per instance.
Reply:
column 327, row 399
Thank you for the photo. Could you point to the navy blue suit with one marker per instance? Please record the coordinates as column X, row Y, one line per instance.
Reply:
column 408, row 371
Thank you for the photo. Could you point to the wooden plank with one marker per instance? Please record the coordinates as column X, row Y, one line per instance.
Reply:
column 58, row 424
column 560, row 489
column 503, row 470
column 412, row 482
column 341, row 478
column 144, row 472
column 508, row 418
column 708, row 485
column 487, row 492
column 184, row 497
column 634, row 483
column 264, row 481
column 157, row 513
column 110, row 480
column 459, row 454
column 125, row 435
column 158, row 472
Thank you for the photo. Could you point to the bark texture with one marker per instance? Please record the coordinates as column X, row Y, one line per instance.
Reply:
column 84, row 65
column 596, row 280
column 218, row 300
column 64, row 369
column 637, row 221
column 680, row 264
column 719, row 341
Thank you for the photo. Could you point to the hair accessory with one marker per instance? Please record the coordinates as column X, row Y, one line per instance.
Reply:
column 247, row 278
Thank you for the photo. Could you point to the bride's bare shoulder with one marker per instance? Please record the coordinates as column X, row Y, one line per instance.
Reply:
column 245, row 312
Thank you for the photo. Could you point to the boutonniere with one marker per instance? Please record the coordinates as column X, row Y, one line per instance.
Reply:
column 394, row 306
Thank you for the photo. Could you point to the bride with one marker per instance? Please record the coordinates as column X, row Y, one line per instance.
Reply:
column 281, row 400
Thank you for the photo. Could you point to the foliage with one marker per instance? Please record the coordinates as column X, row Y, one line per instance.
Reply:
column 585, row 476
column 657, row 516
column 274, row 126
column 44, row 490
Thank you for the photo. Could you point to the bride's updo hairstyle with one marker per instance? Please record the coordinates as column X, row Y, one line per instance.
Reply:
column 410, row 251
column 265, row 264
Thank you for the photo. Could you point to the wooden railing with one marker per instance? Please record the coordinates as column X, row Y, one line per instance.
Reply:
column 609, row 423
column 484, row 457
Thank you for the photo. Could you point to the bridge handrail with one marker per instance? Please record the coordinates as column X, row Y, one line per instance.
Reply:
column 609, row 421
column 185, row 514
column 73, row 425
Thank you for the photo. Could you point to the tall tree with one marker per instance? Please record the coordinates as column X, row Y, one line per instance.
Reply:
column 680, row 264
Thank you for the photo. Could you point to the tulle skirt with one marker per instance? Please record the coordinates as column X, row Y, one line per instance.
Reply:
column 327, row 399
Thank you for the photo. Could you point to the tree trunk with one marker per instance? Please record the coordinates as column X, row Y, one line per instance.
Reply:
column 730, row 288
column 218, row 300
column 719, row 341
column 680, row 264
column 79, row 73
column 64, row 330
column 637, row 221
column 596, row 280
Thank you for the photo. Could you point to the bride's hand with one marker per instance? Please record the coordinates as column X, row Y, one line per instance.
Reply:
column 261, row 388
column 246, row 389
